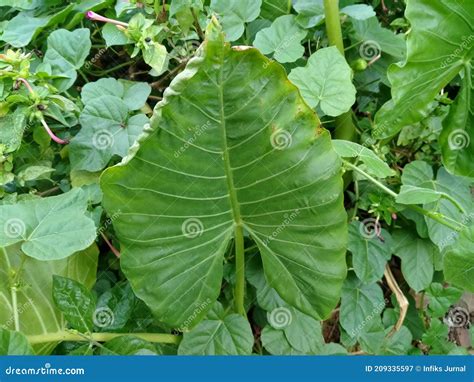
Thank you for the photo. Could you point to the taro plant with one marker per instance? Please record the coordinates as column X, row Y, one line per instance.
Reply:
column 236, row 177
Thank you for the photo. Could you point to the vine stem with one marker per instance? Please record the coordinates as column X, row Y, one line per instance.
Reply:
column 401, row 299
column 345, row 128
column 239, row 270
column 432, row 215
column 101, row 337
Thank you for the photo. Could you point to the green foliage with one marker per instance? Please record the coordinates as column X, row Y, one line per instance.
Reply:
column 212, row 129
column 326, row 82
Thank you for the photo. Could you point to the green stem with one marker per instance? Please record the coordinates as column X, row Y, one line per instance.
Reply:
column 103, row 72
column 16, row 316
column 239, row 270
column 372, row 179
column 101, row 337
column 345, row 128
column 14, row 289
column 333, row 24
column 432, row 215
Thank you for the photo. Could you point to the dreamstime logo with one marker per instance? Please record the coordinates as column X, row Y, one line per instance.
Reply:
column 280, row 139
column 370, row 228
column 280, row 318
column 103, row 317
column 192, row 228
column 457, row 317
column 102, row 139
column 369, row 50
column 458, row 139
column 14, row 228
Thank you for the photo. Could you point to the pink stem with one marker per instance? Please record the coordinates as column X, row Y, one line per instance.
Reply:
column 51, row 134
column 27, row 84
column 96, row 17
column 114, row 250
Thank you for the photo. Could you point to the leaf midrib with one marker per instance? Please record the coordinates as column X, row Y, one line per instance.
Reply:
column 234, row 203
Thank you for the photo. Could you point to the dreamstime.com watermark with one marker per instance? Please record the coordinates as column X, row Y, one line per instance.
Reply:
column 288, row 219
column 21, row 309
column 185, row 327
column 375, row 312
column 197, row 133
column 44, row 370
column 464, row 46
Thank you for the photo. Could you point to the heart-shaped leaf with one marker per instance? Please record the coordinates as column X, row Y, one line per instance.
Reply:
column 219, row 335
column 232, row 146
column 48, row 228
column 326, row 82
column 67, row 51
column 234, row 14
column 107, row 127
column 282, row 39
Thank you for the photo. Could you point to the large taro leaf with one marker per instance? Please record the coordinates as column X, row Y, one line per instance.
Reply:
column 232, row 143
column 440, row 44
column 36, row 310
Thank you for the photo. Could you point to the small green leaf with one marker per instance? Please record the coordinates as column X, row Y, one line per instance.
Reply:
column 459, row 260
column 361, row 305
column 282, row 39
column 20, row 30
column 48, row 228
column 276, row 343
column 358, row 11
column 12, row 127
column 114, row 36
column 33, row 173
column 417, row 257
column 219, row 335
column 66, row 53
column 397, row 343
column 436, row 337
column 233, row 15
column 134, row 94
column 440, row 298
column 374, row 39
column 106, row 131
column 373, row 164
column 303, row 332
column 417, row 173
column 115, row 307
column 14, row 343
column 369, row 253
column 310, row 12
column 76, row 303
column 326, row 82
column 417, row 195
column 154, row 54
